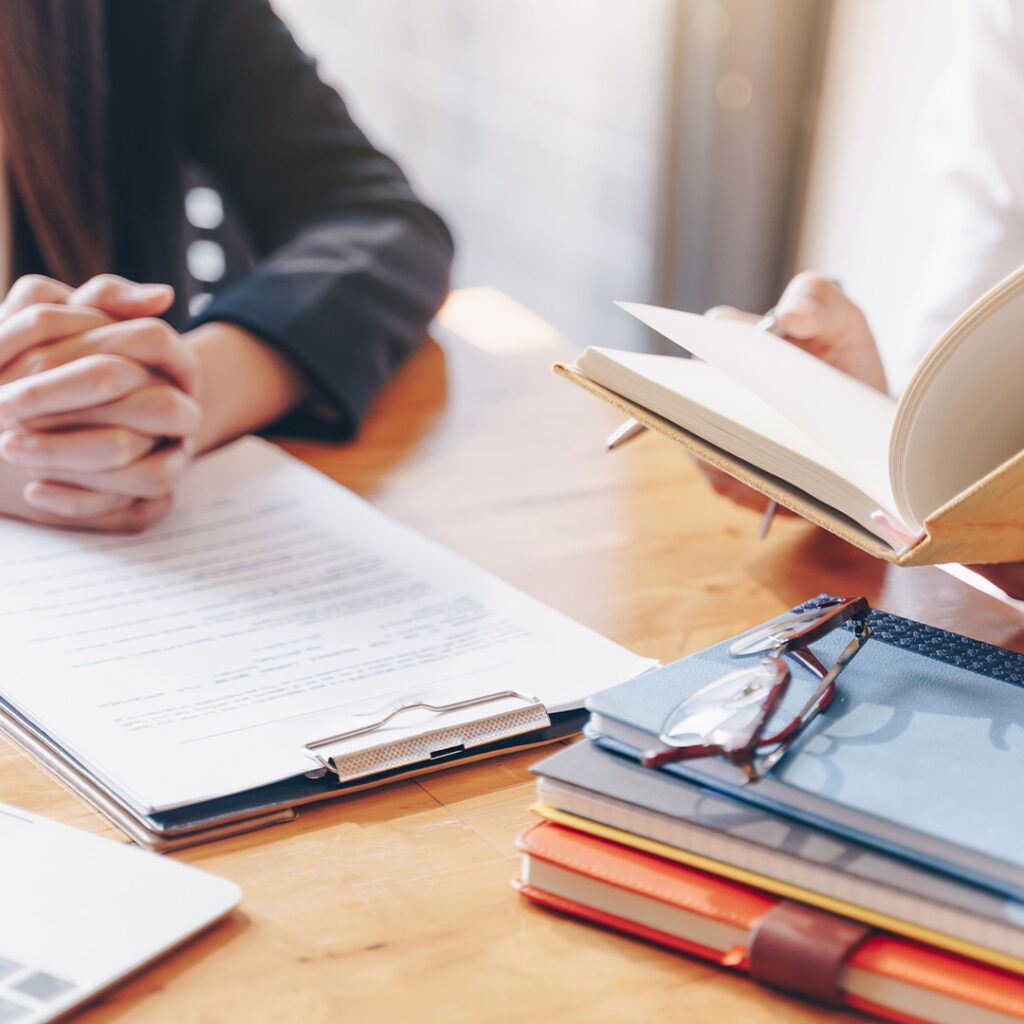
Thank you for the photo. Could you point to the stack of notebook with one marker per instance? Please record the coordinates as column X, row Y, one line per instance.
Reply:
column 880, row 866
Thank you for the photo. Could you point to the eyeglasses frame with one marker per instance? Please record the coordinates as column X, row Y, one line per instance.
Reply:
column 797, row 646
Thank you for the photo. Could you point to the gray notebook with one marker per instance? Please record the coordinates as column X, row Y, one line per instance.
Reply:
column 593, row 783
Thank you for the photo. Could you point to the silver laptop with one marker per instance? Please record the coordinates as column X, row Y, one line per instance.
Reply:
column 78, row 912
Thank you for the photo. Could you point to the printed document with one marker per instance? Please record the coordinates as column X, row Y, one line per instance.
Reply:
column 270, row 608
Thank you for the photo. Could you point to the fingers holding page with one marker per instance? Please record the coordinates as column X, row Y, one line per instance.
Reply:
column 731, row 313
column 819, row 317
column 812, row 306
column 901, row 539
column 815, row 314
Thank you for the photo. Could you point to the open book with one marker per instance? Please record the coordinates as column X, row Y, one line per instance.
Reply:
column 947, row 460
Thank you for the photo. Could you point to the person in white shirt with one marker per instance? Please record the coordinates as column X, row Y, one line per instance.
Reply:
column 978, row 215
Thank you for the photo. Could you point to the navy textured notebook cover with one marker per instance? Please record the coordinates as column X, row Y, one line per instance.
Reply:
column 921, row 755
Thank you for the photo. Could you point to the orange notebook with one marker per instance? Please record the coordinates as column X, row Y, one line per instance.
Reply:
column 788, row 945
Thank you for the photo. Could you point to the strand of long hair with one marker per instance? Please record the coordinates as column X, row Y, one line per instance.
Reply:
column 53, row 104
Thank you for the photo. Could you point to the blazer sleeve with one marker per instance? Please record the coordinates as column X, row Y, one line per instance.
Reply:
column 351, row 265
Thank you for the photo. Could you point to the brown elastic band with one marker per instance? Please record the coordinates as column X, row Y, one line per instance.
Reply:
column 803, row 950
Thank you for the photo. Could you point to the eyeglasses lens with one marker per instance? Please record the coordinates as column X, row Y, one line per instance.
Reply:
column 724, row 713
column 771, row 634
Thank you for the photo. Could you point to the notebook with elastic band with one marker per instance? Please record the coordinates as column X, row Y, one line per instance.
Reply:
column 796, row 948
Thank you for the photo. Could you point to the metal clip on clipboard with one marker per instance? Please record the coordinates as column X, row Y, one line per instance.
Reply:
column 435, row 745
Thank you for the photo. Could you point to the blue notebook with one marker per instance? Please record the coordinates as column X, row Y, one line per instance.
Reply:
column 921, row 755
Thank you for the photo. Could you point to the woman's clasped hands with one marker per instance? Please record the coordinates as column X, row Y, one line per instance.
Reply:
column 99, row 410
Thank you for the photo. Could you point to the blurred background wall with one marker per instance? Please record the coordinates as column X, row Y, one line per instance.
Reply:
column 689, row 152
column 534, row 126
column 867, row 208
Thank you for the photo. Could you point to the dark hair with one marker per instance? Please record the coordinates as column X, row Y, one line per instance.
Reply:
column 53, row 96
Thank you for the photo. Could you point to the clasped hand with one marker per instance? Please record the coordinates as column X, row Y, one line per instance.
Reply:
column 98, row 403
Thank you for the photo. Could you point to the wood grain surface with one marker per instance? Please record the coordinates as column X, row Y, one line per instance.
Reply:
column 394, row 906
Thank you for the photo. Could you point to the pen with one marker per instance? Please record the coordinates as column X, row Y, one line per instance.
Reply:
column 626, row 432
column 634, row 428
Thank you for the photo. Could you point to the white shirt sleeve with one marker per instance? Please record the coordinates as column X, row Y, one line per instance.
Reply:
column 975, row 148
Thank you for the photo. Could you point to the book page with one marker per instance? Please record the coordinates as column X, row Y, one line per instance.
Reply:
column 707, row 402
column 848, row 419
column 962, row 414
column 271, row 608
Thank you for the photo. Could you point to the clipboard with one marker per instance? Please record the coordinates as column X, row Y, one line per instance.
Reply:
column 332, row 773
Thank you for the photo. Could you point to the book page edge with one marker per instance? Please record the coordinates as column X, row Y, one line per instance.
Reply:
column 772, row 487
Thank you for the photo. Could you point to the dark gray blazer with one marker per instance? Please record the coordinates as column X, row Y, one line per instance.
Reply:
column 349, row 266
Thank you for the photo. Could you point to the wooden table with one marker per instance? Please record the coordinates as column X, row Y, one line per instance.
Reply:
column 395, row 905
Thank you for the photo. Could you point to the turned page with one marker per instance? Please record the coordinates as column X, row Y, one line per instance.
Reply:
column 962, row 415
column 845, row 417
column 703, row 400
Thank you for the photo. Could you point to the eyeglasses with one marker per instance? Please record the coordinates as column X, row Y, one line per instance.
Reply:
column 728, row 717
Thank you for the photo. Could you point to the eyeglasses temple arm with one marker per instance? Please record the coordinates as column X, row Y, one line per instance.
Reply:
column 666, row 755
column 814, row 706
column 834, row 616
column 806, row 657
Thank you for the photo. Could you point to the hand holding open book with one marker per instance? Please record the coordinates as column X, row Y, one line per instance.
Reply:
column 815, row 313
column 945, row 463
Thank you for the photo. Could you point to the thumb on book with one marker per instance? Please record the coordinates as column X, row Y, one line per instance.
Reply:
column 894, row 532
column 800, row 317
